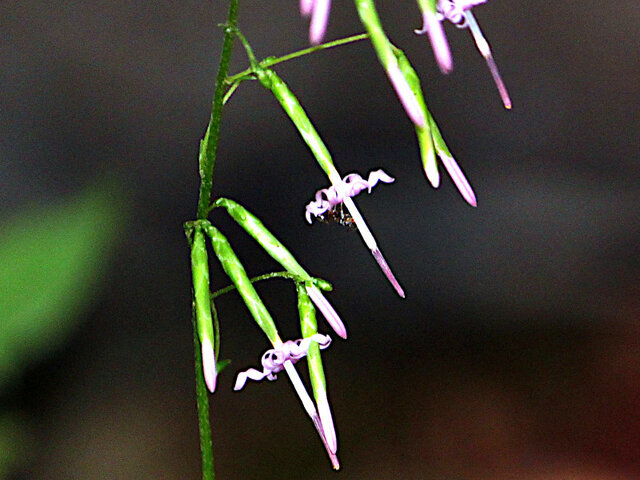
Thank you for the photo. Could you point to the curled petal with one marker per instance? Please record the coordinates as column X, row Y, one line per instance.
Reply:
column 350, row 186
column 275, row 359
column 378, row 176
column 251, row 373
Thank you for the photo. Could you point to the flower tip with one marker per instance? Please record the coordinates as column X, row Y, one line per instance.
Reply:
column 327, row 310
column 319, row 20
column 327, row 424
column 334, row 461
column 209, row 365
column 387, row 271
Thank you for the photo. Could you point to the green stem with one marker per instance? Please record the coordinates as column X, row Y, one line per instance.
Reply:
column 209, row 144
column 268, row 62
column 206, row 161
column 318, row 282
column 202, row 399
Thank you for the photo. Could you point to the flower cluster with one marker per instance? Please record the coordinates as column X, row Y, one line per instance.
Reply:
column 350, row 186
column 273, row 360
column 434, row 12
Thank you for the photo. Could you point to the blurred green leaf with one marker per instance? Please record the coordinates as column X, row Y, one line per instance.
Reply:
column 50, row 260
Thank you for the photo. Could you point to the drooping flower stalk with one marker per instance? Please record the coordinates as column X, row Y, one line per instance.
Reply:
column 298, row 116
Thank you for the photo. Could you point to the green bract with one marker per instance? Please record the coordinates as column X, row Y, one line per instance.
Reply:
column 298, row 116
column 236, row 272
column 425, row 134
column 309, row 327
column 201, row 291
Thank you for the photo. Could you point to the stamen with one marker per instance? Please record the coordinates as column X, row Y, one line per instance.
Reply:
column 485, row 51
column 367, row 236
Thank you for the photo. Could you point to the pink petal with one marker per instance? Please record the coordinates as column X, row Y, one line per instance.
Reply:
column 306, row 7
column 319, row 20
column 459, row 179
column 405, row 94
column 209, row 364
column 327, row 310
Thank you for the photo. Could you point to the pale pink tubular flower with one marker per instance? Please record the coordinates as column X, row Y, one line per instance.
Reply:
column 405, row 94
column 341, row 191
column 458, row 178
column 306, row 7
column 282, row 357
column 209, row 364
column 432, row 26
column 319, row 20
column 327, row 310
column 318, row 10
column 459, row 13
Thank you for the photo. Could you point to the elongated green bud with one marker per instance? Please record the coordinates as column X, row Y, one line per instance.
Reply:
column 236, row 272
column 424, row 133
column 204, row 322
column 254, row 227
column 271, row 81
column 309, row 327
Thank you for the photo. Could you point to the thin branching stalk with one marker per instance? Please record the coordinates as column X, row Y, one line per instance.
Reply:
column 206, row 160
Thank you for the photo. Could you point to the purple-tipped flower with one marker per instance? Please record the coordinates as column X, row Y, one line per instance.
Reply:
column 282, row 357
column 350, row 186
column 459, row 13
column 273, row 360
column 459, row 179
column 318, row 10
column 327, row 310
column 432, row 26
column 405, row 94
column 341, row 192
column 209, row 364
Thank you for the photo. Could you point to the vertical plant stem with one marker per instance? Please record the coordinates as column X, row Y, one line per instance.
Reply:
column 206, row 162
column 202, row 399
column 209, row 144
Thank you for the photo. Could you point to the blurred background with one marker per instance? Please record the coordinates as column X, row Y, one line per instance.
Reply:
column 516, row 351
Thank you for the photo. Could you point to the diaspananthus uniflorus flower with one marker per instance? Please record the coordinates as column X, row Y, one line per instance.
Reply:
column 318, row 10
column 282, row 357
column 341, row 192
column 459, row 13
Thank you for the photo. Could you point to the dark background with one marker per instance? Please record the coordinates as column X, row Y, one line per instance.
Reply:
column 515, row 353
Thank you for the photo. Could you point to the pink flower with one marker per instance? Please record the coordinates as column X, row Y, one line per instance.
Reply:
column 318, row 10
column 459, row 13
